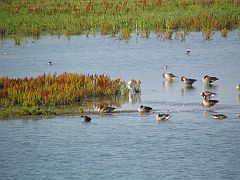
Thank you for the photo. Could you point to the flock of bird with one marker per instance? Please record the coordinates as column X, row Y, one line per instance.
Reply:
column 134, row 87
column 207, row 95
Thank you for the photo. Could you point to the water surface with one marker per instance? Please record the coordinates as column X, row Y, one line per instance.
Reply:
column 191, row 145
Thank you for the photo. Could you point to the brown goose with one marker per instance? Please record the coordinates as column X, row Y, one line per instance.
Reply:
column 106, row 109
column 209, row 79
column 208, row 94
column 209, row 102
column 144, row 109
column 168, row 76
column 187, row 81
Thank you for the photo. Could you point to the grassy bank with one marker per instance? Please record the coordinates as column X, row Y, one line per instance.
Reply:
column 70, row 17
column 57, row 94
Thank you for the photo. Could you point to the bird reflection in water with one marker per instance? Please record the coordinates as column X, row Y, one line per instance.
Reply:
column 187, row 89
column 210, row 87
column 207, row 113
column 134, row 98
column 167, row 84
column 238, row 97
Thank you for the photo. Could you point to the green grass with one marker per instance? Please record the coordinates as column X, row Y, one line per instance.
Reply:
column 70, row 17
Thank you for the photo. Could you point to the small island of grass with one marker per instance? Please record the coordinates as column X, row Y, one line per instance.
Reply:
column 55, row 94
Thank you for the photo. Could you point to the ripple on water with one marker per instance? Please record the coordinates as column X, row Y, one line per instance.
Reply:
column 191, row 145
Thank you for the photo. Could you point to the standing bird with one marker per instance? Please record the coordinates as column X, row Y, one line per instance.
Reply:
column 86, row 118
column 209, row 102
column 134, row 86
column 209, row 79
column 144, row 109
column 106, row 109
column 188, row 81
column 168, row 76
column 162, row 117
column 219, row 116
column 50, row 63
column 208, row 94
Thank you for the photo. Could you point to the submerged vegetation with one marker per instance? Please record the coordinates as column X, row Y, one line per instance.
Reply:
column 112, row 17
column 56, row 94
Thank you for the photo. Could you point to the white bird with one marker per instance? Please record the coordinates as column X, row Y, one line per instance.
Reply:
column 134, row 86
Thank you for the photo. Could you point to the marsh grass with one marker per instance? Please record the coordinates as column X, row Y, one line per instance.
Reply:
column 70, row 17
column 38, row 95
column 224, row 32
column 207, row 34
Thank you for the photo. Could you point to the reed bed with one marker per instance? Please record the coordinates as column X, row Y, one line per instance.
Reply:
column 112, row 17
column 41, row 94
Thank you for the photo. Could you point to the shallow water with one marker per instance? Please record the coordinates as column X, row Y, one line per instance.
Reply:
column 191, row 145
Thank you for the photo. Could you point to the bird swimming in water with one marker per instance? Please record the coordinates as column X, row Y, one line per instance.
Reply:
column 106, row 109
column 209, row 102
column 209, row 79
column 208, row 94
column 144, row 109
column 219, row 116
column 50, row 63
column 187, row 52
column 86, row 118
column 188, row 81
column 163, row 117
column 168, row 76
